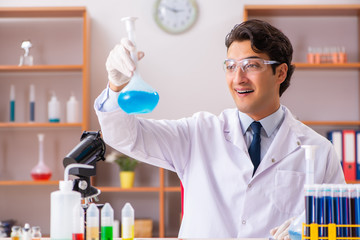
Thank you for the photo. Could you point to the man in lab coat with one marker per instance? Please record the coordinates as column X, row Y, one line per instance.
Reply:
column 225, row 194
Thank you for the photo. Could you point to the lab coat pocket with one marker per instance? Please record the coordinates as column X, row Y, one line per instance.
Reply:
column 288, row 194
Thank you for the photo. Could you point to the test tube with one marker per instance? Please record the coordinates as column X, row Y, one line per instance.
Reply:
column 357, row 208
column 335, row 195
column 328, row 207
column 319, row 208
column 309, row 192
column 352, row 196
column 344, row 210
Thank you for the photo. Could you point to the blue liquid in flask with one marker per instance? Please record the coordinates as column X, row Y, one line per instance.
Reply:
column 135, row 102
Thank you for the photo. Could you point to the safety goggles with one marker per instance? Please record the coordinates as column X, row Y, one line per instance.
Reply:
column 247, row 65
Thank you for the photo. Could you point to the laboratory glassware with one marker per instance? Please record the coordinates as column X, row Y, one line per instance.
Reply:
column 41, row 171
column 127, row 222
column 138, row 96
column 26, row 59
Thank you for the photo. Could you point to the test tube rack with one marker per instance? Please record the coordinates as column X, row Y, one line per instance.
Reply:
column 332, row 233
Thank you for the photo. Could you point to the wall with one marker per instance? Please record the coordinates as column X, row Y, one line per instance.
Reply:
column 185, row 69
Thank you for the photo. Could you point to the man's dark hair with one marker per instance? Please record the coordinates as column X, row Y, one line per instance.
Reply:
column 267, row 39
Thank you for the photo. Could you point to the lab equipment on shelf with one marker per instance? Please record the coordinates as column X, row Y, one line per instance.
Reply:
column 12, row 103
column 78, row 222
column 36, row 233
column 15, row 233
column 72, row 110
column 41, row 171
column 54, row 109
column 138, row 96
column 32, row 103
column 26, row 59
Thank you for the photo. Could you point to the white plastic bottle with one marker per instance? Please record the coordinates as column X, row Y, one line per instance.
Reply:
column 72, row 110
column 54, row 109
column 26, row 232
column 63, row 202
column 127, row 222
column 92, row 222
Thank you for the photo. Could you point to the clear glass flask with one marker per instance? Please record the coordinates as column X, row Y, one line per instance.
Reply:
column 26, row 59
column 41, row 171
column 138, row 96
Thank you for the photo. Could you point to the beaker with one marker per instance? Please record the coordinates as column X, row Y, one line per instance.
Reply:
column 138, row 96
column 41, row 171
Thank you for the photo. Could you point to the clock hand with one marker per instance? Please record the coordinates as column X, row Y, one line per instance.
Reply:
column 172, row 9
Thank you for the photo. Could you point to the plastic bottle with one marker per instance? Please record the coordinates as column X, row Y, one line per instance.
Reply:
column 107, row 221
column 72, row 110
column 54, row 109
column 15, row 233
column 92, row 222
column 127, row 222
column 63, row 202
column 78, row 222
column 35, row 233
column 26, row 232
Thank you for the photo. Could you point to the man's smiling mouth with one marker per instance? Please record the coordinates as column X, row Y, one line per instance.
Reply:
column 244, row 91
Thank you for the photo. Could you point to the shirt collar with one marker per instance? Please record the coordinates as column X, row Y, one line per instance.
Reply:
column 269, row 123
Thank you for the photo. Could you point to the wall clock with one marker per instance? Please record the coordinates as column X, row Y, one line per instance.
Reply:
column 175, row 16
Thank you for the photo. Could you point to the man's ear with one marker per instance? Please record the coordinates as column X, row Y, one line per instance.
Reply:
column 281, row 72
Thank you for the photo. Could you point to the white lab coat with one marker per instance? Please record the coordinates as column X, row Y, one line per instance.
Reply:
column 221, row 197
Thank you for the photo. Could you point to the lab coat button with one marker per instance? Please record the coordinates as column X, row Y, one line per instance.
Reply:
column 273, row 160
column 249, row 186
column 243, row 222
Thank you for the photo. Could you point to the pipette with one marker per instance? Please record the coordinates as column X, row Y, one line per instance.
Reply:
column 137, row 96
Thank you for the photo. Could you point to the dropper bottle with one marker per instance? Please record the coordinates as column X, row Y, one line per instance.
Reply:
column 92, row 222
column 127, row 222
column 107, row 221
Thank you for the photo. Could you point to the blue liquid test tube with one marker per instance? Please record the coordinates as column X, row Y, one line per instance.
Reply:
column 309, row 192
column 319, row 206
column 344, row 210
column 357, row 208
column 352, row 197
column 335, row 195
column 328, row 216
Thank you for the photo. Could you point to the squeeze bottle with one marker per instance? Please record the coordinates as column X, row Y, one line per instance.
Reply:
column 63, row 202
column 54, row 109
column 92, row 222
column 127, row 222
column 72, row 110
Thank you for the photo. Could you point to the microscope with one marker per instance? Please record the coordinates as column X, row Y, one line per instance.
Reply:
column 89, row 151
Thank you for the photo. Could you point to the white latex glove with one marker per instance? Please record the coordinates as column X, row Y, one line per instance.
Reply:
column 119, row 65
column 282, row 232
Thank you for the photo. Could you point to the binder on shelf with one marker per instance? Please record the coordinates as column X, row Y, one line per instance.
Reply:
column 336, row 138
column 349, row 163
column 357, row 150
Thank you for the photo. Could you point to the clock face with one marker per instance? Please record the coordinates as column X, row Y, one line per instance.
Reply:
column 175, row 16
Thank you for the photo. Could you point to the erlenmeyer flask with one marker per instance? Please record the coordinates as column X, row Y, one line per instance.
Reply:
column 41, row 171
column 138, row 96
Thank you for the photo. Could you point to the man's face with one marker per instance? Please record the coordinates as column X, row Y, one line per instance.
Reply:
column 255, row 93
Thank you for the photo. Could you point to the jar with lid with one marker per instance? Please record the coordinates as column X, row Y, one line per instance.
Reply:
column 35, row 233
column 15, row 233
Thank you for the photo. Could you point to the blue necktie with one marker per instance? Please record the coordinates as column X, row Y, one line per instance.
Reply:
column 254, row 149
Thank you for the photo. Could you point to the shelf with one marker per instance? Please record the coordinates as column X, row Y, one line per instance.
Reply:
column 133, row 189
column 29, row 183
column 37, row 124
column 328, row 66
column 46, row 12
column 302, row 10
column 42, row 68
